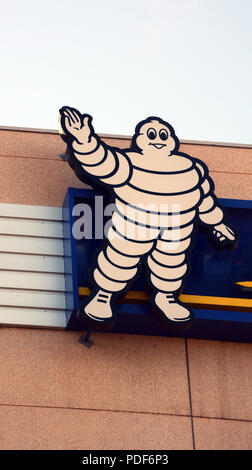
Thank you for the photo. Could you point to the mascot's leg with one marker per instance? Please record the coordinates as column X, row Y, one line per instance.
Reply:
column 117, row 264
column 168, row 267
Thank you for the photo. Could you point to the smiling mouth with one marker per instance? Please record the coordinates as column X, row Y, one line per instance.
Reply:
column 158, row 146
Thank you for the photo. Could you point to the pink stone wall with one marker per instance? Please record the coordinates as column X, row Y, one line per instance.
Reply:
column 126, row 391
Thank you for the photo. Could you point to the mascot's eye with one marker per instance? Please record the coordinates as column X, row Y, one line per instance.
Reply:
column 151, row 133
column 163, row 134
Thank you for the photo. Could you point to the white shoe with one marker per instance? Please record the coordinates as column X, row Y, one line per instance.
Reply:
column 98, row 308
column 171, row 309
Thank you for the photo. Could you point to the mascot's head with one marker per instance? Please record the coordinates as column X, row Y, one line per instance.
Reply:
column 155, row 136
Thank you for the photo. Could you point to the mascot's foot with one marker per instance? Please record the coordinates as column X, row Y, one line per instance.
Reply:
column 97, row 310
column 172, row 310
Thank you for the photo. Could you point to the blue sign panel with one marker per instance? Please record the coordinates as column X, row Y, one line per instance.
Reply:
column 219, row 288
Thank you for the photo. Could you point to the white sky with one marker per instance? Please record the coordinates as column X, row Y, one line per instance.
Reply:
column 187, row 61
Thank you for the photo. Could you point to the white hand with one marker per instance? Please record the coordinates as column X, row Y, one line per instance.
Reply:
column 223, row 233
column 76, row 124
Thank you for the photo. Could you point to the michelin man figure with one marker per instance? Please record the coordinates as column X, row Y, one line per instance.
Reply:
column 160, row 196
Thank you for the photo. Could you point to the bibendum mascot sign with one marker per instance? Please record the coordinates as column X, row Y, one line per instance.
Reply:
column 160, row 195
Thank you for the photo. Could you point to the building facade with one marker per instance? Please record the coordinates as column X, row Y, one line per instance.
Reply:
column 126, row 391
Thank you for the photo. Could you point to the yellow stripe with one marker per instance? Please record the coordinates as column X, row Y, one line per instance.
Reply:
column 222, row 303
column 198, row 301
column 245, row 283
